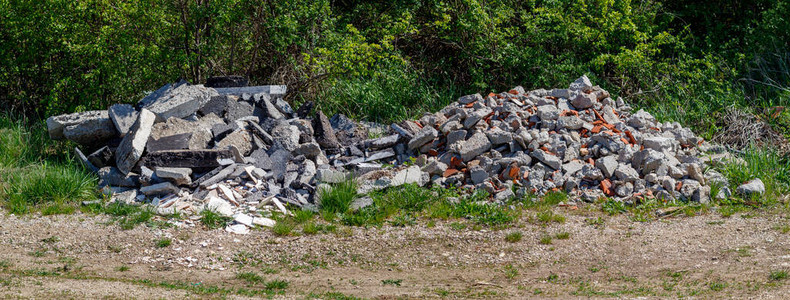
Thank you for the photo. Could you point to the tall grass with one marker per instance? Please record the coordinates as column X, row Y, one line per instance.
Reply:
column 36, row 174
column 770, row 166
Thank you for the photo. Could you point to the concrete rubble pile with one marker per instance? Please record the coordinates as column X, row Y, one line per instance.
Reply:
column 243, row 151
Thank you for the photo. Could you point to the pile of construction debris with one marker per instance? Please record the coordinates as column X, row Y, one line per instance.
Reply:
column 244, row 152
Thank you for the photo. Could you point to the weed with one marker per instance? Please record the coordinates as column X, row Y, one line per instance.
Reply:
column 339, row 197
column 243, row 258
column 545, row 240
column 269, row 270
column 122, row 268
column 250, row 277
column 513, row 237
column 162, row 243
column 403, row 220
column 393, row 282
column 213, row 220
column 563, row 235
column 783, row 228
column 778, row 275
column 717, row 286
column 457, row 226
column 511, row 272
column 613, row 207
column 282, row 228
column 51, row 240
column 552, row 278
column 596, row 222
column 548, row 216
column 302, row 215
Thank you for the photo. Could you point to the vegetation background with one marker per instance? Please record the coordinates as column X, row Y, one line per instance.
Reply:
column 387, row 60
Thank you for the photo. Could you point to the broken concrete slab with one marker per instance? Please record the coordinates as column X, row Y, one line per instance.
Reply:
column 179, row 176
column 172, row 142
column 271, row 90
column 159, row 189
column 93, row 119
column 180, row 102
column 188, row 158
column 133, row 144
column 123, row 117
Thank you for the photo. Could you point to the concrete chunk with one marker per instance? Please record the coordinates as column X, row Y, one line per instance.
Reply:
column 133, row 144
column 179, row 176
column 181, row 102
column 123, row 117
column 159, row 189
column 187, row 158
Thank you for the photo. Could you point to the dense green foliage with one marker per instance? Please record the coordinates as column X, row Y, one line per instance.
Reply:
column 385, row 60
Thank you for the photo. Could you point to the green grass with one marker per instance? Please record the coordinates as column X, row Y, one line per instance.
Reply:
column 36, row 174
column 338, row 198
column 392, row 282
column 545, row 240
column 563, row 236
column 250, row 277
column 213, row 220
column 778, row 275
column 768, row 165
column 282, row 228
column 162, row 243
column 514, row 237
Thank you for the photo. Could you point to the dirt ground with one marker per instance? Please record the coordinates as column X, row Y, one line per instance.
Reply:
column 709, row 256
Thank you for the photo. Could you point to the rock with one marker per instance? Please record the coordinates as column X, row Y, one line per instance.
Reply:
column 125, row 197
column 286, row 136
column 478, row 175
column 217, row 105
column 382, row 142
column 84, row 161
column 504, row 195
column 701, row 195
column 102, row 157
column 409, row 175
column 219, row 206
column 752, row 187
column 626, row 173
column 641, row 119
column 188, row 158
column 570, row 122
column 360, row 203
column 583, row 101
column 548, row 112
column 200, row 131
column 658, row 143
column 262, row 221
column 243, row 219
column 477, row 144
column 181, row 102
column 330, row 176
column 324, row 133
column 172, row 142
column 572, row 167
column 271, row 111
column 549, row 159
column 435, row 167
column 499, row 137
column 90, row 121
column 607, row 165
column 582, row 84
column 111, row 176
column 275, row 91
column 159, row 189
column 695, row 172
column 123, row 117
column 179, row 176
column 470, row 98
column 238, row 229
column 133, row 144
column 237, row 110
column 240, row 139
column 424, row 136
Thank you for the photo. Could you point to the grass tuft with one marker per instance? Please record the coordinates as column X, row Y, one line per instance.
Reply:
column 213, row 220
column 514, row 237
column 338, row 198
column 162, row 243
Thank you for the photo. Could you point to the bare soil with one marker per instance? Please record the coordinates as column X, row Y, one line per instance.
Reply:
column 709, row 256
